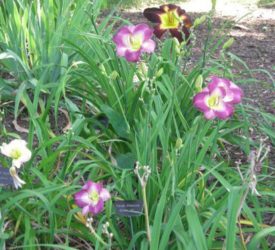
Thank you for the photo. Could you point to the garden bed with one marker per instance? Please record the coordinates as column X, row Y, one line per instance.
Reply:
column 126, row 138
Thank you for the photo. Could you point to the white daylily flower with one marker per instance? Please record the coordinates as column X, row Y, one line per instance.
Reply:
column 16, row 179
column 17, row 150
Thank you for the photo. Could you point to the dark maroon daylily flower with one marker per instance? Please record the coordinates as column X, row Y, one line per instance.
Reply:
column 169, row 17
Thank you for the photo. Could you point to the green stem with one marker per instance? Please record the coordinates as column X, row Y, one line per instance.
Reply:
column 2, row 243
column 146, row 213
column 132, row 230
column 110, row 243
column 98, row 237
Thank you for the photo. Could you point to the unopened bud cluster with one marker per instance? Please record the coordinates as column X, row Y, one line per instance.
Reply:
column 105, row 230
column 256, row 159
column 143, row 173
column 89, row 224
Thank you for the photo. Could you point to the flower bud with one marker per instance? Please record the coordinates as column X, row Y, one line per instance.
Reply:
column 114, row 75
column 178, row 143
column 159, row 73
column 199, row 21
column 177, row 45
column 228, row 43
column 142, row 68
column 198, row 83
column 102, row 69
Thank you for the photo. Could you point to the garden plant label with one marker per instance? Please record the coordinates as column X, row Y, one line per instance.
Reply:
column 5, row 177
column 129, row 208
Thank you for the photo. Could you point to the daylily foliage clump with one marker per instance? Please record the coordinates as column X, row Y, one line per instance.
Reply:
column 148, row 124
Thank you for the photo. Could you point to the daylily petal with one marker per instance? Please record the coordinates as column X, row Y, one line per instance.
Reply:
column 233, row 94
column 186, row 33
column 132, row 28
column 238, row 95
column 158, row 31
column 176, row 33
column 186, row 20
column 218, row 82
column 153, row 14
column 121, row 51
column 144, row 30
column 17, row 163
column 87, row 185
column 199, row 101
column 210, row 114
column 95, row 187
column 122, row 35
column 5, row 150
column 148, row 46
column 85, row 210
column 218, row 91
column 17, row 181
column 25, row 155
column 237, row 92
column 225, row 112
column 82, row 198
column 104, row 194
column 97, row 208
column 167, row 7
column 132, row 56
column 181, row 12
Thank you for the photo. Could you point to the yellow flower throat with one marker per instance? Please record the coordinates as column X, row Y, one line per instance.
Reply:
column 15, row 154
column 94, row 196
column 169, row 20
column 214, row 101
column 135, row 42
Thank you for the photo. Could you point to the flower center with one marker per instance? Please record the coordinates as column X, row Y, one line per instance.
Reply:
column 15, row 154
column 169, row 20
column 135, row 42
column 94, row 196
column 214, row 101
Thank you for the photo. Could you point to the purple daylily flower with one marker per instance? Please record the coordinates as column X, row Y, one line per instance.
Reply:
column 233, row 93
column 131, row 41
column 91, row 198
column 218, row 98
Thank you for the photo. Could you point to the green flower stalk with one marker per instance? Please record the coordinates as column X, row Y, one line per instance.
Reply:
column 89, row 224
column 143, row 179
column 109, row 235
